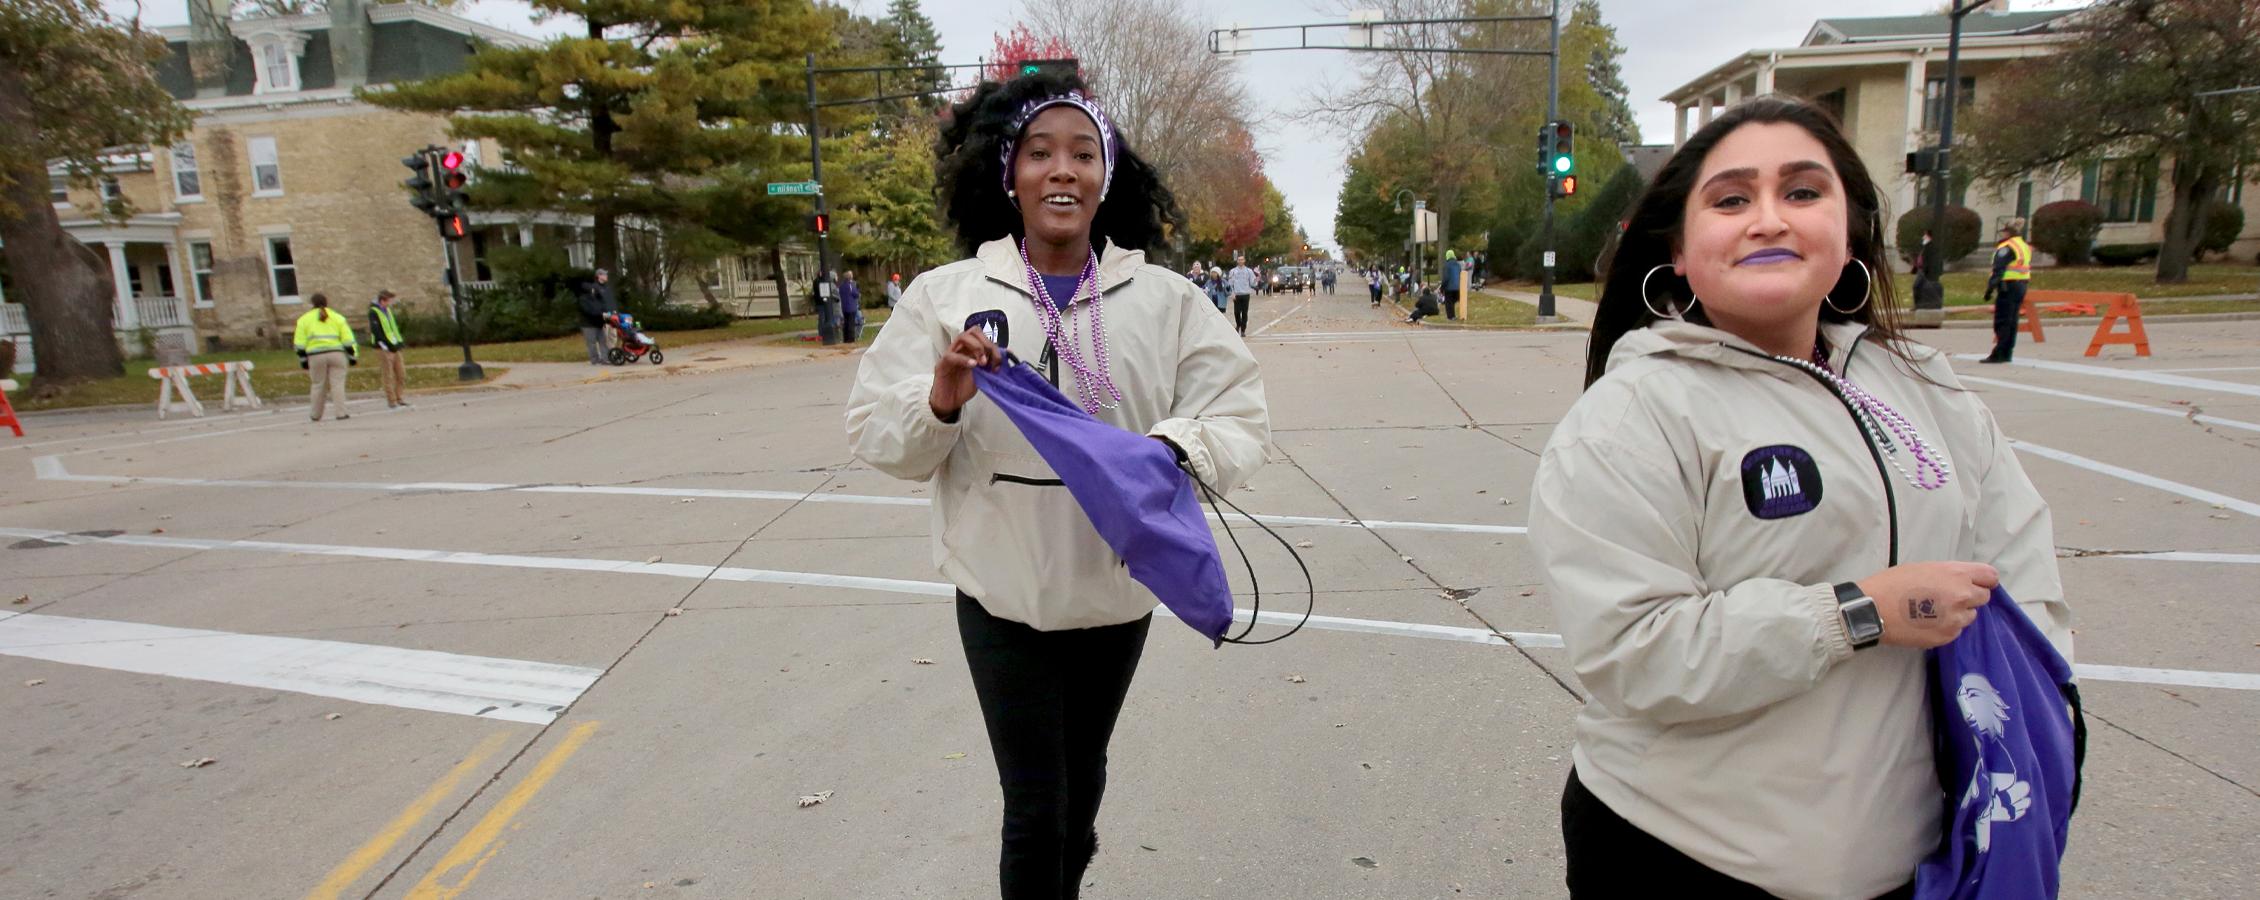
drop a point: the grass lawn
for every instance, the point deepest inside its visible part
(275, 372)
(1581, 290)
(1489, 312)
(2165, 307)
(1968, 288)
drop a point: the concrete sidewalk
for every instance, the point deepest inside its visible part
(1568, 308)
(686, 360)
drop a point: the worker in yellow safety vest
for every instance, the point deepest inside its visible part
(325, 348)
(384, 331)
(2012, 273)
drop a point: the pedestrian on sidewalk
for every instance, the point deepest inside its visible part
(2012, 273)
(851, 308)
(1243, 282)
(1218, 292)
(325, 350)
(1373, 285)
(1746, 313)
(384, 331)
(1050, 205)
(1452, 273)
(894, 289)
(596, 299)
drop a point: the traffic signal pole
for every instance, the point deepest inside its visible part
(1546, 312)
(442, 198)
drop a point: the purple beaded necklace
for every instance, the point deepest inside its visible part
(1093, 380)
(1882, 424)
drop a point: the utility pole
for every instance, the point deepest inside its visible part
(1553, 112)
(1930, 293)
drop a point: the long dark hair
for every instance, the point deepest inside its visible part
(969, 173)
(1657, 222)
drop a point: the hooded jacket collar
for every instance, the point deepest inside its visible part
(1000, 261)
(1688, 340)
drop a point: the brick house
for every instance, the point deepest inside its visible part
(286, 185)
(1884, 79)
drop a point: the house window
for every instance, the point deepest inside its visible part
(714, 277)
(1932, 91)
(59, 190)
(1832, 101)
(187, 183)
(200, 268)
(480, 271)
(282, 270)
(281, 69)
(266, 168)
(164, 280)
(2125, 189)
(133, 280)
(109, 190)
(2024, 200)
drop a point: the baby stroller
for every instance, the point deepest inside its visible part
(631, 343)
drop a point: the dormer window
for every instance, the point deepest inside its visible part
(276, 50)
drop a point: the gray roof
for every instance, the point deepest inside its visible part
(1895, 28)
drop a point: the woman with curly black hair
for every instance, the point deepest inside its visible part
(1055, 213)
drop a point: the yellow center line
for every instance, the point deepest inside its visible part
(369, 854)
(472, 853)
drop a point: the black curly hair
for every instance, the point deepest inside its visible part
(969, 174)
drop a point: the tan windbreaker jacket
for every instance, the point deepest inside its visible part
(1692, 512)
(1005, 531)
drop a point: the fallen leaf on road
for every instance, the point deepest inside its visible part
(1483, 492)
(1506, 502)
(1528, 591)
(19, 601)
(1296, 679)
(198, 763)
(1460, 594)
(1366, 764)
(1405, 558)
(35, 682)
(921, 661)
(1147, 847)
(675, 611)
(1303, 544)
(1365, 862)
(1340, 724)
(689, 499)
(333, 716)
(648, 885)
(651, 560)
(1412, 498)
(162, 531)
(2213, 516)
(954, 756)
(808, 800)
(164, 517)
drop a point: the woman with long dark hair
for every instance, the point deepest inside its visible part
(1766, 505)
(1055, 213)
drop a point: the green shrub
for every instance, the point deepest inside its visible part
(2125, 254)
(2066, 229)
(1581, 237)
(1956, 240)
(2223, 222)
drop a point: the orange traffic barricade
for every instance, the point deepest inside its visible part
(2115, 308)
(8, 410)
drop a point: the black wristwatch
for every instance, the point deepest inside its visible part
(1861, 621)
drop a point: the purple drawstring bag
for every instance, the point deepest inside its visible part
(2005, 717)
(1130, 487)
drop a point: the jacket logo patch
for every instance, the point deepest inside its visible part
(993, 325)
(1780, 481)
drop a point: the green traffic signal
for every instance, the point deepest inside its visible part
(1562, 164)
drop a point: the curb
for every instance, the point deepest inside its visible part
(2093, 320)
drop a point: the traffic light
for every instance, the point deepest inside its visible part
(1546, 151)
(1560, 161)
(1564, 186)
(452, 179)
(821, 223)
(1054, 67)
(452, 226)
(419, 184)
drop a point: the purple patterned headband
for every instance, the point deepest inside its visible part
(1080, 100)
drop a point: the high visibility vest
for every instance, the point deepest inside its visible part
(2020, 267)
(386, 321)
(317, 336)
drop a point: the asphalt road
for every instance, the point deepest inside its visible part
(598, 640)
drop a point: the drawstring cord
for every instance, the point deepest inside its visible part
(1311, 586)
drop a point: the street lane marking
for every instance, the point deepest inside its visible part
(2224, 501)
(2180, 381)
(509, 690)
(2122, 404)
(2234, 680)
(2214, 369)
(373, 852)
(477, 848)
(51, 468)
(1297, 309)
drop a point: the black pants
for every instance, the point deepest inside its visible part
(2008, 304)
(1240, 312)
(1610, 857)
(1050, 699)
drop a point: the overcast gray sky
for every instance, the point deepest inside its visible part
(1666, 43)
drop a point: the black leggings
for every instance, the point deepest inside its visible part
(1610, 857)
(1240, 312)
(1050, 699)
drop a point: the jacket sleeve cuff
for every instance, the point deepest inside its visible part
(1185, 435)
(1835, 640)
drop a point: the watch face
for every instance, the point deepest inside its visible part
(1862, 622)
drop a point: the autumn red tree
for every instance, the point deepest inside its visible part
(1019, 46)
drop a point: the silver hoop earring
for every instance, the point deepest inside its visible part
(1865, 292)
(1676, 313)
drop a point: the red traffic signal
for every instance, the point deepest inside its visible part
(1569, 185)
(453, 227)
(821, 223)
(452, 161)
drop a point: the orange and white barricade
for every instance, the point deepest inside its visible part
(174, 381)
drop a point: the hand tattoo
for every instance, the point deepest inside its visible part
(1924, 608)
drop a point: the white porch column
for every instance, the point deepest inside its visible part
(1914, 99)
(1706, 115)
(1765, 79)
(1733, 92)
(184, 283)
(1679, 124)
(525, 235)
(129, 318)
